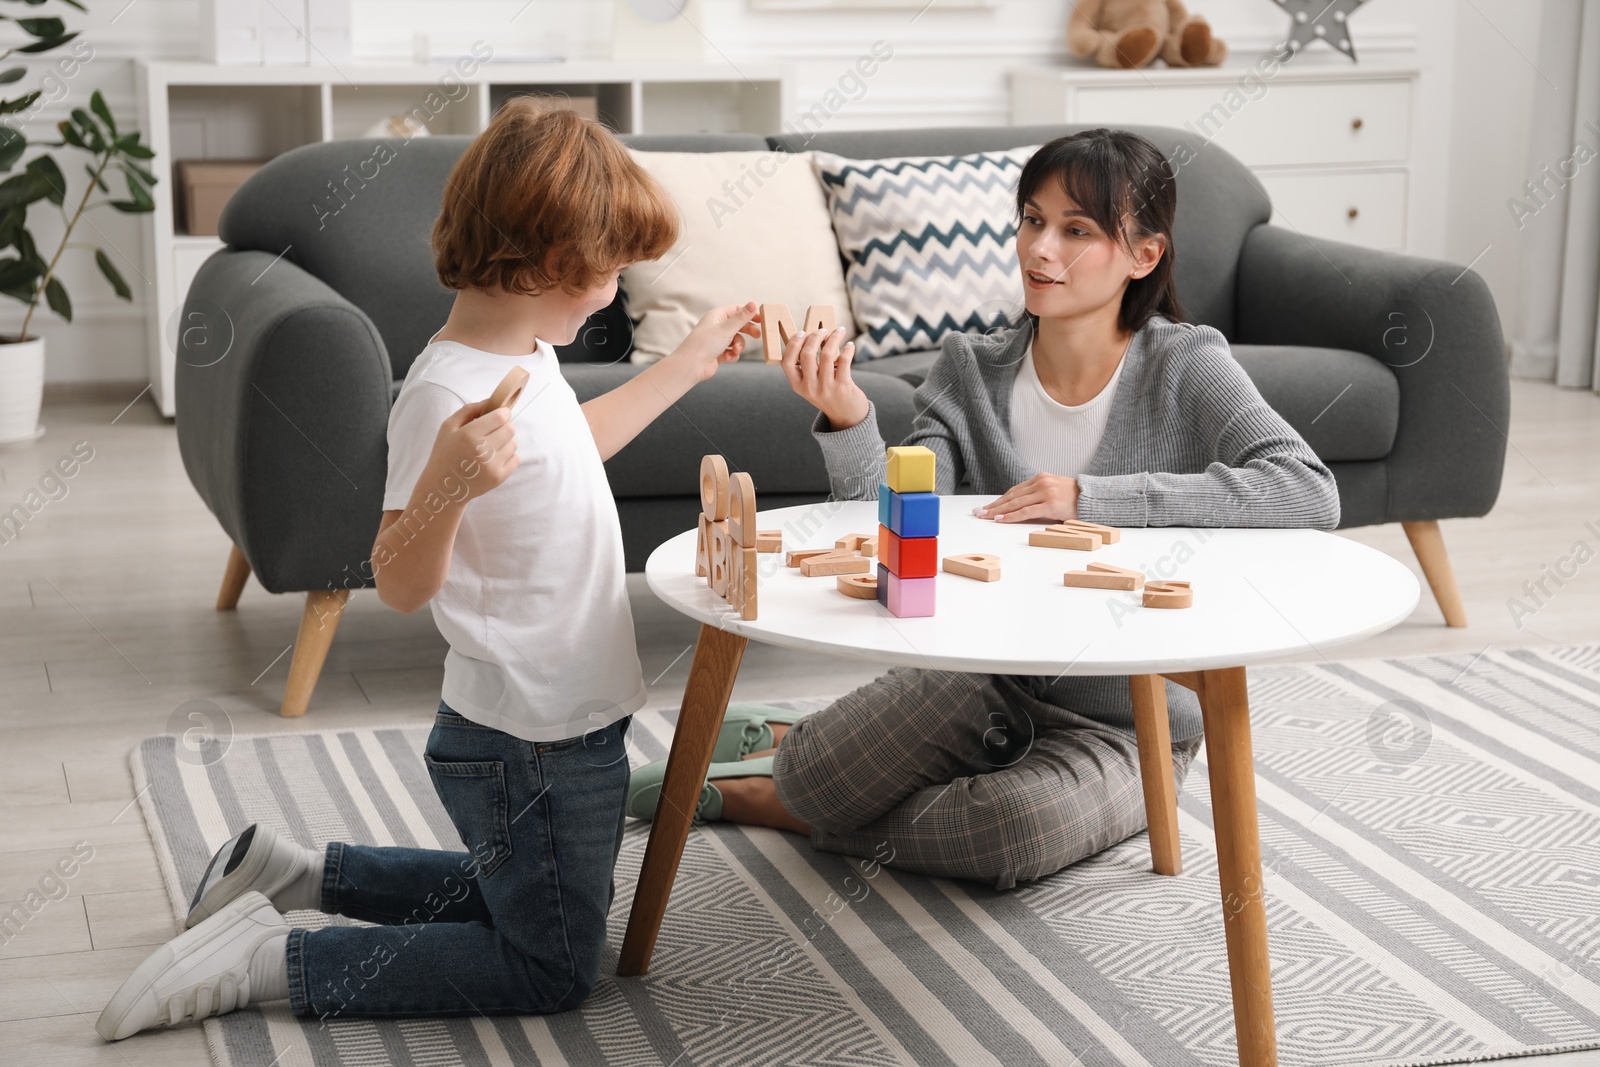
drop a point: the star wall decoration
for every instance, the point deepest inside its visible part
(1319, 20)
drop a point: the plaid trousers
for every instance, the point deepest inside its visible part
(963, 776)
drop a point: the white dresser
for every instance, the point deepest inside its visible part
(1332, 143)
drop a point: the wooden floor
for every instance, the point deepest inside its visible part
(107, 631)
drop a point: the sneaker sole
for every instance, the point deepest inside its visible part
(127, 997)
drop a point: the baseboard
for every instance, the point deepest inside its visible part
(96, 392)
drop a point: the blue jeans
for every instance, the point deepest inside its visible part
(515, 925)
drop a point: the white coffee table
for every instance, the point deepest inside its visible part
(1258, 594)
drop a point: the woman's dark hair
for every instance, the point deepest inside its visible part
(1111, 174)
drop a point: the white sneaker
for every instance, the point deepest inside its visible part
(257, 859)
(199, 973)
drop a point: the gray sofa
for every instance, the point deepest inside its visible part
(1391, 366)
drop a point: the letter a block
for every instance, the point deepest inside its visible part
(911, 469)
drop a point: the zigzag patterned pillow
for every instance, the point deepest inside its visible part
(930, 243)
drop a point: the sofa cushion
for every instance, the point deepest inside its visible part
(929, 242)
(1219, 200)
(910, 367)
(1345, 404)
(754, 227)
(748, 413)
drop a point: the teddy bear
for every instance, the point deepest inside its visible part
(1131, 33)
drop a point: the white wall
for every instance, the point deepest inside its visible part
(948, 68)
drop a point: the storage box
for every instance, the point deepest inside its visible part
(204, 186)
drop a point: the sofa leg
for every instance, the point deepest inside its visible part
(317, 625)
(233, 579)
(1428, 543)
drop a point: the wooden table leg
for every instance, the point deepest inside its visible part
(1226, 709)
(1154, 731)
(705, 700)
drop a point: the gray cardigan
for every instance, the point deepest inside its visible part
(1189, 442)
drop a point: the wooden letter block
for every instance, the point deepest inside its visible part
(777, 326)
(505, 394)
(866, 544)
(819, 317)
(702, 549)
(797, 556)
(719, 558)
(1081, 542)
(714, 487)
(911, 469)
(1109, 535)
(980, 565)
(743, 576)
(826, 566)
(742, 510)
(1168, 594)
(860, 586)
(769, 540)
(1105, 576)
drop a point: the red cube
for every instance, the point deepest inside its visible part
(908, 557)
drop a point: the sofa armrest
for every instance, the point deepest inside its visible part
(1432, 324)
(283, 404)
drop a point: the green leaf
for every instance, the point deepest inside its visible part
(46, 44)
(20, 103)
(11, 220)
(69, 134)
(129, 145)
(49, 174)
(28, 251)
(22, 188)
(56, 294)
(15, 274)
(13, 75)
(99, 181)
(12, 145)
(49, 27)
(104, 263)
(141, 200)
(144, 175)
(97, 104)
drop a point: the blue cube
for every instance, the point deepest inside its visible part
(883, 585)
(885, 496)
(914, 514)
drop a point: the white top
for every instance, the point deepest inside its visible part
(1051, 436)
(534, 606)
(1259, 594)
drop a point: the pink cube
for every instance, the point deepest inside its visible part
(907, 598)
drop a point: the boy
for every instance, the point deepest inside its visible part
(504, 523)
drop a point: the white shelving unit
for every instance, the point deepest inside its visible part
(202, 111)
(1333, 143)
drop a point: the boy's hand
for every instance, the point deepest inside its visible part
(1044, 496)
(478, 449)
(818, 367)
(718, 338)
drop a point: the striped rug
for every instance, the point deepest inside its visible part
(1432, 850)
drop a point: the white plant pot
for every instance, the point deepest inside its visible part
(21, 389)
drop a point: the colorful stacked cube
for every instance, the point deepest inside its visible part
(908, 533)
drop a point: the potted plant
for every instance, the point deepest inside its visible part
(26, 274)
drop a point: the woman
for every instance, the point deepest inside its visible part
(1101, 404)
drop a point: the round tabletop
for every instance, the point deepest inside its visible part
(1258, 595)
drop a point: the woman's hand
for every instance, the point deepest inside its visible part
(1044, 496)
(718, 338)
(818, 367)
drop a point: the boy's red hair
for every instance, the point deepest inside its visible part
(545, 199)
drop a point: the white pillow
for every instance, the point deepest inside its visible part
(931, 243)
(755, 227)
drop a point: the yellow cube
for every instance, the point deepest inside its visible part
(911, 469)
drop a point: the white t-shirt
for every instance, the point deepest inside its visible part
(1053, 437)
(534, 605)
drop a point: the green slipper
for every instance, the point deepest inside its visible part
(745, 730)
(644, 787)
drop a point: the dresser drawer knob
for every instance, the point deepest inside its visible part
(1355, 123)
(1353, 212)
